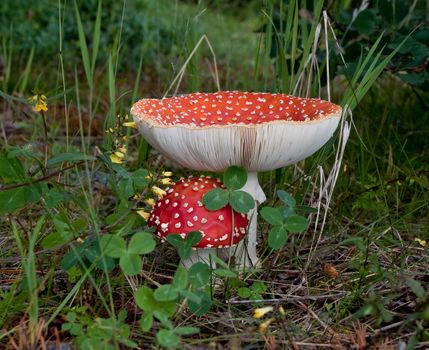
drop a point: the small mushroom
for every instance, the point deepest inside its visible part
(258, 131)
(181, 211)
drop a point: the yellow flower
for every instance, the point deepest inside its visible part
(130, 125)
(167, 173)
(149, 177)
(158, 191)
(39, 102)
(260, 312)
(166, 181)
(264, 325)
(422, 242)
(143, 214)
(115, 159)
(123, 150)
(150, 202)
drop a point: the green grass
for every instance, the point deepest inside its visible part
(362, 280)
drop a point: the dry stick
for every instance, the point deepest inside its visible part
(285, 299)
(44, 178)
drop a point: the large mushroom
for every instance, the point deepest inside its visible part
(181, 211)
(259, 131)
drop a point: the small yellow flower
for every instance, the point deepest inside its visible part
(115, 159)
(150, 202)
(260, 312)
(422, 242)
(39, 102)
(166, 181)
(158, 191)
(119, 154)
(264, 325)
(143, 214)
(167, 173)
(149, 177)
(130, 125)
(123, 150)
(282, 311)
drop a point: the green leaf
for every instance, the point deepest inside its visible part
(125, 186)
(190, 295)
(201, 308)
(12, 199)
(166, 292)
(244, 292)
(234, 178)
(180, 279)
(146, 321)
(167, 338)
(53, 197)
(416, 288)
(296, 223)
(365, 23)
(259, 287)
(215, 199)
(199, 274)
(160, 315)
(141, 243)
(83, 46)
(286, 198)
(193, 238)
(11, 169)
(144, 299)
(277, 237)
(272, 215)
(69, 157)
(225, 273)
(131, 264)
(305, 209)
(62, 235)
(186, 330)
(175, 240)
(113, 245)
(286, 212)
(139, 178)
(241, 201)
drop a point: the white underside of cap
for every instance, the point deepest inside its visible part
(259, 148)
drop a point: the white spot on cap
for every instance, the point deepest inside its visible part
(178, 225)
(176, 215)
(203, 220)
(195, 218)
(221, 218)
(224, 237)
(190, 224)
(190, 210)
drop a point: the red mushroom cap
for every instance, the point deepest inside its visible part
(181, 211)
(232, 107)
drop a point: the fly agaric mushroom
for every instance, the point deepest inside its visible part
(181, 211)
(258, 131)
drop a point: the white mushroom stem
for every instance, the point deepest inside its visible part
(246, 254)
(200, 255)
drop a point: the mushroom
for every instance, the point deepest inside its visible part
(258, 131)
(181, 211)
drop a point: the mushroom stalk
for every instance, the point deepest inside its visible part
(200, 255)
(246, 254)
